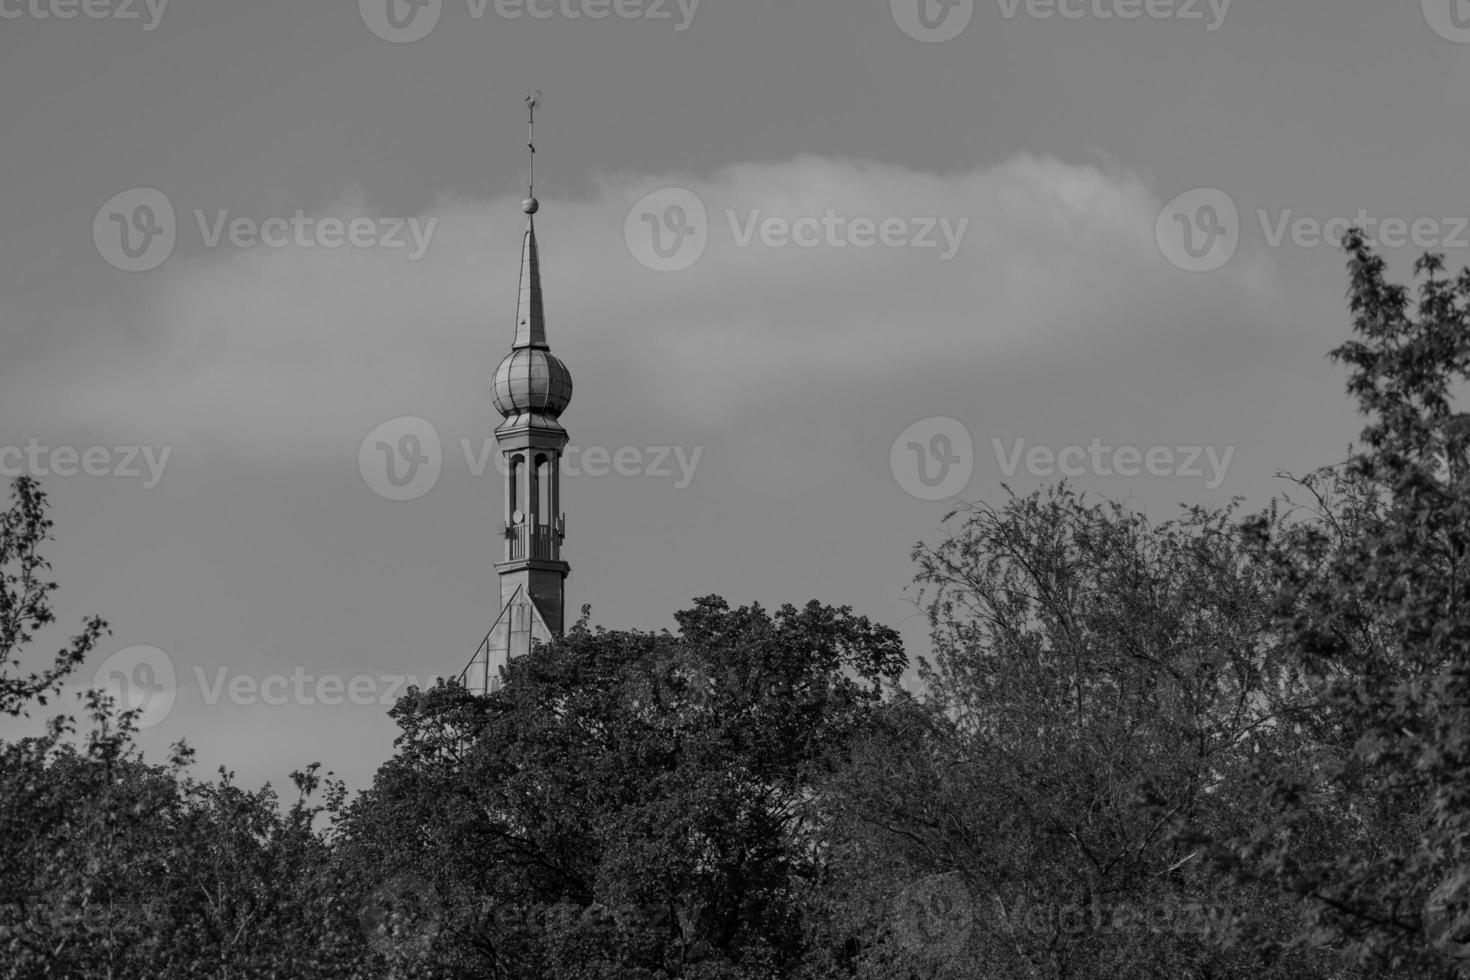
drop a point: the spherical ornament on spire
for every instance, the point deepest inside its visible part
(530, 205)
(532, 380)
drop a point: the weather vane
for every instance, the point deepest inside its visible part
(533, 102)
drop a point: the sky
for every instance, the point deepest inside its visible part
(821, 270)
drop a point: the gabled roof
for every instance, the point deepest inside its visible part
(509, 636)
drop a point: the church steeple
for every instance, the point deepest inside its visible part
(532, 387)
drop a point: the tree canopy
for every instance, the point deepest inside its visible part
(1224, 745)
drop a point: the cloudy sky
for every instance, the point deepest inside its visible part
(819, 268)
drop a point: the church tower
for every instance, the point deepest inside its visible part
(532, 388)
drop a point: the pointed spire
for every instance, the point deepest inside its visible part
(530, 314)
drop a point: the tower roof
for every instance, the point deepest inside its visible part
(530, 313)
(531, 384)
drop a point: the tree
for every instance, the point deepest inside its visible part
(114, 867)
(629, 804)
(1368, 591)
(1095, 679)
(25, 604)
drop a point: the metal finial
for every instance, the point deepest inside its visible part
(533, 102)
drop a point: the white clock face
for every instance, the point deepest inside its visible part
(517, 516)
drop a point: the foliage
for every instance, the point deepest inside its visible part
(1096, 680)
(1368, 593)
(629, 804)
(112, 867)
(1216, 747)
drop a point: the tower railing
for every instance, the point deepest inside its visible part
(534, 541)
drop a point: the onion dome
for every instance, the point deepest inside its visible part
(532, 380)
